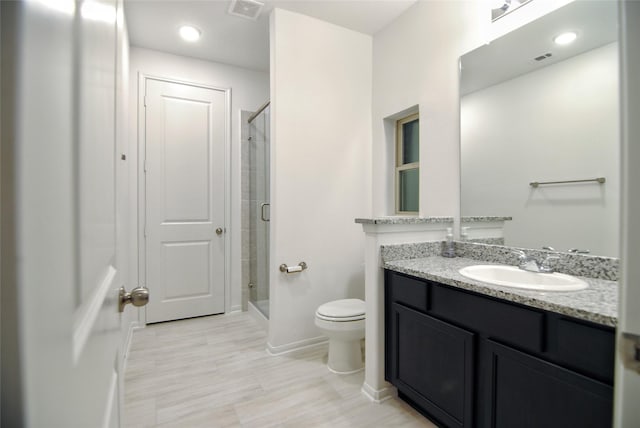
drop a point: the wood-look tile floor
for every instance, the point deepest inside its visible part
(214, 372)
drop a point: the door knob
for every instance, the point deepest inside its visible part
(218, 231)
(139, 296)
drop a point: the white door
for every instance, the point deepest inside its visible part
(185, 128)
(60, 275)
(627, 381)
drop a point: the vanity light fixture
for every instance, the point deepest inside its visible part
(189, 33)
(499, 4)
(500, 8)
(565, 38)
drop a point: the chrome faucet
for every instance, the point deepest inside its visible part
(530, 264)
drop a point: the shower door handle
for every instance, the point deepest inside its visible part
(263, 215)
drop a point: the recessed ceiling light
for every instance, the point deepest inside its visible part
(565, 38)
(189, 33)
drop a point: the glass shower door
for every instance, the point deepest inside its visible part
(260, 211)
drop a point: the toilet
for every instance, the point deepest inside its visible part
(343, 322)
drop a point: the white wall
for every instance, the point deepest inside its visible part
(557, 123)
(249, 90)
(320, 168)
(415, 62)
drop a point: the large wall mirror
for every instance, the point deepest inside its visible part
(534, 111)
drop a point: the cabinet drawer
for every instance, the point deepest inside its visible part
(505, 322)
(408, 291)
(587, 348)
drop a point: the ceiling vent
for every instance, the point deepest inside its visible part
(249, 9)
(543, 57)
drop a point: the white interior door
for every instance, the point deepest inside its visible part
(185, 128)
(61, 269)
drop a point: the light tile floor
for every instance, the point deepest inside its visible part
(215, 372)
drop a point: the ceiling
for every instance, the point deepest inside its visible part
(229, 39)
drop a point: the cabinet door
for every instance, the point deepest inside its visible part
(433, 365)
(529, 392)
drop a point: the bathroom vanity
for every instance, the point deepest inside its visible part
(467, 354)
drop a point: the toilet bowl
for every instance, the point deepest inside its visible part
(342, 321)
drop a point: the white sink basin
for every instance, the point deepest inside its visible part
(512, 276)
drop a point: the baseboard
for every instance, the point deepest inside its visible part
(296, 346)
(127, 343)
(378, 395)
(235, 308)
(258, 316)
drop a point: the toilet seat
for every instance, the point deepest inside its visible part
(342, 310)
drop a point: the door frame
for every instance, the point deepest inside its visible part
(627, 381)
(141, 179)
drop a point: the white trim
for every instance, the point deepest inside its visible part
(627, 381)
(258, 316)
(296, 346)
(229, 232)
(419, 232)
(107, 419)
(126, 348)
(141, 144)
(87, 314)
(378, 395)
(376, 235)
(141, 195)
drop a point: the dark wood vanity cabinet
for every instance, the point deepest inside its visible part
(433, 365)
(469, 360)
(528, 391)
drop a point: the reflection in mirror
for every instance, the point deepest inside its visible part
(500, 8)
(536, 111)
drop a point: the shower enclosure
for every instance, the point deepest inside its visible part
(259, 209)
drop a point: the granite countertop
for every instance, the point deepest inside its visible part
(480, 219)
(404, 220)
(598, 303)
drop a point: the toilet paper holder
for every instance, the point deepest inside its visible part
(293, 269)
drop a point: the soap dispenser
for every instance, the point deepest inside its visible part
(448, 249)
